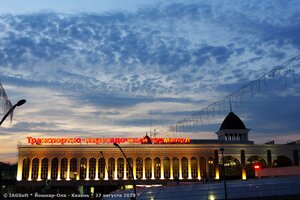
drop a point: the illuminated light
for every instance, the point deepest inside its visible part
(92, 190)
(211, 197)
(217, 174)
(256, 166)
(128, 187)
(244, 175)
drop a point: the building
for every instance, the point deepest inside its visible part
(67, 161)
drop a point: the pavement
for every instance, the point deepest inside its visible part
(260, 188)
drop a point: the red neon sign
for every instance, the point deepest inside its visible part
(32, 140)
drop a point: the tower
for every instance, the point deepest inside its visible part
(233, 129)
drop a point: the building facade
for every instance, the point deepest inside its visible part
(197, 160)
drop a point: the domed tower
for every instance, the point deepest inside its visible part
(233, 129)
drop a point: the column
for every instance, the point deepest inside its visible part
(58, 170)
(20, 169)
(152, 168)
(30, 170)
(207, 168)
(134, 167)
(78, 169)
(180, 168)
(243, 162)
(106, 172)
(189, 169)
(87, 177)
(125, 169)
(68, 170)
(144, 169)
(198, 169)
(269, 157)
(216, 162)
(39, 170)
(171, 169)
(116, 170)
(162, 176)
(49, 169)
(97, 169)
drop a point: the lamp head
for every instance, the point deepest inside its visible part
(116, 144)
(222, 149)
(21, 102)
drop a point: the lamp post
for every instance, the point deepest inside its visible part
(224, 177)
(21, 102)
(130, 168)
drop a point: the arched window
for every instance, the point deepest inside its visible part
(54, 168)
(111, 168)
(35, 168)
(128, 172)
(157, 167)
(148, 168)
(184, 161)
(92, 168)
(120, 167)
(202, 161)
(44, 170)
(25, 168)
(167, 167)
(101, 168)
(194, 167)
(176, 168)
(83, 166)
(73, 168)
(139, 168)
(63, 169)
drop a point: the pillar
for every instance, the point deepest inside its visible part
(20, 169)
(269, 157)
(243, 161)
(180, 168)
(97, 169)
(39, 170)
(116, 169)
(30, 170)
(198, 169)
(68, 170)
(78, 169)
(87, 177)
(125, 169)
(171, 169)
(207, 168)
(58, 169)
(144, 170)
(152, 167)
(134, 167)
(49, 169)
(216, 162)
(106, 172)
(189, 168)
(162, 175)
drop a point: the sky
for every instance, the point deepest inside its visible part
(111, 68)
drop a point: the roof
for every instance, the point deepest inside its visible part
(232, 121)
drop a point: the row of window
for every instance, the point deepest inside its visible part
(80, 169)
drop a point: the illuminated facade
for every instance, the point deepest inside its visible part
(192, 160)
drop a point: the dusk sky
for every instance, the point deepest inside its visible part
(102, 68)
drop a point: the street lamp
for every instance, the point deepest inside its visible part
(224, 177)
(130, 168)
(21, 102)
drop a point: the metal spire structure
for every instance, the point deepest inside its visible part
(285, 70)
(5, 103)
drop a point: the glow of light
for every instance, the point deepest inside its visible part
(211, 197)
(244, 176)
